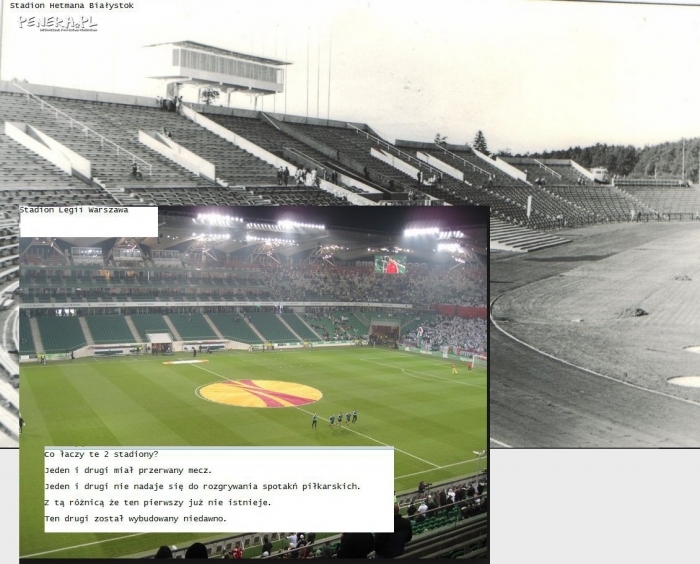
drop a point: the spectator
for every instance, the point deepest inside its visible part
(197, 551)
(164, 552)
(391, 545)
(267, 545)
(355, 545)
(136, 172)
(280, 176)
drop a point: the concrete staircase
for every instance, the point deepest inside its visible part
(508, 237)
(36, 335)
(309, 326)
(289, 327)
(362, 317)
(86, 331)
(255, 330)
(213, 327)
(171, 326)
(132, 328)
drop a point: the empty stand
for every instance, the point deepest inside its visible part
(149, 323)
(60, 334)
(26, 340)
(233, 327)
(192, 326)
(271, 327)
(299, 327)
(108, 329)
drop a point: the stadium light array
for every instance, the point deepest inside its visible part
(287, 223)
(421, 231)
(450, 247)
(450, 235)
(270, 240)
(216, 220)
(210, 237)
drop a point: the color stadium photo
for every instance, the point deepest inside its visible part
(265, 326)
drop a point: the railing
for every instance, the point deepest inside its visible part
(547, 169)
(85, 129)
(391, 147)
(464, 161)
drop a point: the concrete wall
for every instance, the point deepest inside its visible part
(236, 139)
(48, 148)
(444, 167)
(177, 153)
(76, 94)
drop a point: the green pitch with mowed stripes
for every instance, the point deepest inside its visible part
(433, 418)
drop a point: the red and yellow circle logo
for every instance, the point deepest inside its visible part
(260, 393)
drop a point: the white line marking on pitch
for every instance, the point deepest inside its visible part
(424, 374)
(499, 443)
(438, 468)
(371, 439)
(636, 386)
(80, 545)
(324, 419)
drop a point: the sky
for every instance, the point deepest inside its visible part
(533, 75)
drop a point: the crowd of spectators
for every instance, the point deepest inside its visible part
(456, 332)
(462, 287)
(469, 498)
(360, 284)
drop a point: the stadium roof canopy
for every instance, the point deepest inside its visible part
(349, 233)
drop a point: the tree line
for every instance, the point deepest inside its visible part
(664, 160)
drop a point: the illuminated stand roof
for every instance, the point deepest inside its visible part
(188, 62)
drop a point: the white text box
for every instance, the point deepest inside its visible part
(88, 221)
(237, 489)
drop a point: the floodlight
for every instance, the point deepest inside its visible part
(449, 247)
(421, 231)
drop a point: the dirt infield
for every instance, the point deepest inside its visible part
(622, 300)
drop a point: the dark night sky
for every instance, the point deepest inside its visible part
(389, 220)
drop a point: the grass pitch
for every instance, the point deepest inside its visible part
(433, 418)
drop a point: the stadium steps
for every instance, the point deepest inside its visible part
(36, 335)
(509, 237)
(192, 326)
(255, 330)
(132, 328)
(86, 330)
(232, 327)
(309, 327)
(288, 326)
(213, 327)
(171, 326)
(362, 317)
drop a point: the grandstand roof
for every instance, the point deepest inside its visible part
(362, 225)
(225, 52)
(355, 232)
